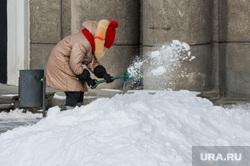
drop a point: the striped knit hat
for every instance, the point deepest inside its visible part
(104, 36)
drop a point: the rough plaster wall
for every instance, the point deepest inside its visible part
(232, 48)
(189, 21)
(218, 32)
(49, 22)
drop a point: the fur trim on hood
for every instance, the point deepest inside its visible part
(90, 26)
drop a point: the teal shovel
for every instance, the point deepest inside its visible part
(126, 77)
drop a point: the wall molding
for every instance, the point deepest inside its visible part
(18, 39)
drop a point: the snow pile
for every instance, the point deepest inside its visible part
(165, 63)
(145, 128)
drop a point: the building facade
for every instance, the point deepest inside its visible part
(217, 31)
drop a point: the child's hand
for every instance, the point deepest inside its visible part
(108, 78)
(91, 82)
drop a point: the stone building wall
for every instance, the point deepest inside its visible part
(50, 21)
(231, 47)
(186, 21)
(217, 31)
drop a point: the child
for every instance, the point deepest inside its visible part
(64, 69)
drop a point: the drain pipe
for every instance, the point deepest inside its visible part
(44, 95)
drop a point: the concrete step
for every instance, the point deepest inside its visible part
(6, 103)
(213, 94)
(215, 98)
(11, 101)
(226, 101)
(6, 107)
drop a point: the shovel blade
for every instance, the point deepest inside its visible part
(127, 76)
(126, 87)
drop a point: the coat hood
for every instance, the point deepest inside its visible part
(91, 26)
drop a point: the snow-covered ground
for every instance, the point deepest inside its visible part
(16, 118)
(19, 114)
(143, 128)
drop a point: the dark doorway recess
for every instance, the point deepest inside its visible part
(3, 41)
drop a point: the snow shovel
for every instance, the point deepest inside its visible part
(126, 78)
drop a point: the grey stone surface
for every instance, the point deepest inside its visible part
(116, 61)
(126, 12)
(217, 30)
(199, 72)
(66, 18)
(188, 21)
(39, 54)
(230, 34)
(215, 54)
(215, 20)
(233, 17)
(238, 20)
(45, 21)
(238, 70)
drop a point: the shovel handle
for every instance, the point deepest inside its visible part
(102, 81)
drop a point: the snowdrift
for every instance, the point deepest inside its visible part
(146, 128)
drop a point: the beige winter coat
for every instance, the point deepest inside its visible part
(67, 59)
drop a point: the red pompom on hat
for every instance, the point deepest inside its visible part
(110, 34)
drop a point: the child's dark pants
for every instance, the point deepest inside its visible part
(73, 98)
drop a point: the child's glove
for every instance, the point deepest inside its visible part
(101, 72)
(84, 76)
(91, 82)
(108, 78)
